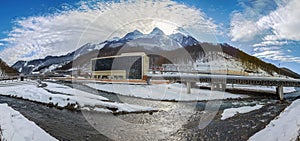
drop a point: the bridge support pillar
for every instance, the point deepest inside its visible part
(223, 87)
(148, 80)
(217, 86)
(188, 86)
(279, 92)
(214, 86)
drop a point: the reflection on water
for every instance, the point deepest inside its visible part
(173, 121)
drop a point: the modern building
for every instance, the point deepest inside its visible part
(125, 66)
(178, 67)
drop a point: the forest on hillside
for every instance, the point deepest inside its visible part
(7, 70)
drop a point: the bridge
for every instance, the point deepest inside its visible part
(218, 82)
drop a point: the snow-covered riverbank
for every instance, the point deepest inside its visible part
(285, 127)
(255, 88)
(63, 96)
(262, 88)
(15, 127)
(175, 91)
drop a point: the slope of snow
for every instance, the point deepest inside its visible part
(53, 67)
(65, 96)
(87, 99)
(283, 128)
(15, 127)
(163, 92)
(32, 92)
(219, 65)
(68, 90)
(227, 113)
(222, 61)
(184, 40)
(262, 88)
(253, 87)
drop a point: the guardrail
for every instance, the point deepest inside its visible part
(9, 77)
(3, 78)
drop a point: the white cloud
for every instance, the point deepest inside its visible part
(267, 54)
(261, 49)
(63, 32)
(278, 27)
(244, 26)
(242, 29)
(270, 43)
(1, 44)
(283, 24)
(275, 53)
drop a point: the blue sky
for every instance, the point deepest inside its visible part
(12, 10)
(267, 29)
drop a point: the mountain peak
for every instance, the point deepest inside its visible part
(137, 32)
(133, 35)
(157, 31)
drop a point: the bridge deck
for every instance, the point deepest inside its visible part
(218, 81)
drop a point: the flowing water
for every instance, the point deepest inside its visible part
(174, 120)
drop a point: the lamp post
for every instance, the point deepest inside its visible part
(279, 69)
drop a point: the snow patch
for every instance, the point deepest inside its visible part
(15, 127)
(261, 88)
(65, 96)
(32, 92)
(285, 127)
(253, 87)
(228, 113)
(174, 91)
(74, 92)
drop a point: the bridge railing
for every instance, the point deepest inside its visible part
(230, 79)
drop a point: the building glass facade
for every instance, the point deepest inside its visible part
(131, 64)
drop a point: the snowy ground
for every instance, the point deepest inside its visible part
(253, 87)
(64, 96)
(15, 127)
(174, 91)
(227, 113)
(262, 88)
(285, 127)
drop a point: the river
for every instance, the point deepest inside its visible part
(174, 120)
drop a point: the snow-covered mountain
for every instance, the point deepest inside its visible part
(50, 63)
(27, 67)
(132, 35)
(184, 40)
(157, 42)
(154, 40)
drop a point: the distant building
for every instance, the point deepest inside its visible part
(178, 67)
(125, 66)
